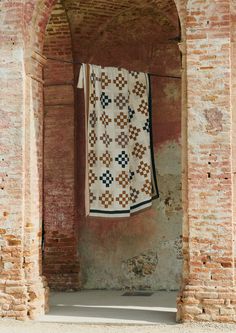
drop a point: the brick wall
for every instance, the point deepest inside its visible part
(209, 285)
(12, 288)
(21, 288)
(208, 291)
(60, 228)
(233, 101)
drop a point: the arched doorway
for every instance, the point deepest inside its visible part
(167, 144)
(209, 215)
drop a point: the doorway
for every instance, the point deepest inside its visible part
(143, 252)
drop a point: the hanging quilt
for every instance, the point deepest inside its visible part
(120, 164)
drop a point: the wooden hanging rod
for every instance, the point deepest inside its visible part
(80, 63)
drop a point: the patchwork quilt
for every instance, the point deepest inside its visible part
(120, 164)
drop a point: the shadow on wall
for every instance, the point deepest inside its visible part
(144, 251)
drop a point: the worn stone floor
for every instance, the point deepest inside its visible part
(110, 307)
(110, 312)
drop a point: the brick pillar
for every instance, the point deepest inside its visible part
(208, 286)
(20, 283)
(33, 172)
(13, 289)
(22, 292)
(61, 265)
(233, 102)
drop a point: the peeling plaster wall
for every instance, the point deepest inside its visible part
(144, 251)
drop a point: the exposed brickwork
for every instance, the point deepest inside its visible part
(208, 243)
(60, 228)
(208, 291)
(208, 304)
(233, 101)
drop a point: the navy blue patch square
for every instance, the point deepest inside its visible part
(105, 100)
(122, 159)
(106, 178)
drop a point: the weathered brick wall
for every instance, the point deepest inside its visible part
(60, 228)
(208, 286)
(233, 101)
(13, 292)
(33, 171)
(22, 289)
(209, 292)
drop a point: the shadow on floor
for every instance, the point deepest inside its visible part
(111, 307)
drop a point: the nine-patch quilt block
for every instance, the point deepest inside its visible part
(119, 155)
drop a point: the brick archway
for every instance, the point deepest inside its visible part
(34, 67)
(208, 291)
(41, 12)
(35, 62)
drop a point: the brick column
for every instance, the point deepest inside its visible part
(33, 175)
(13, 291)
(15, 266)
(61, 263)
(21, 285)
(208, 286)
(233, 102)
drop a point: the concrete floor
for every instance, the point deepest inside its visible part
(110, 307)
(109, 312)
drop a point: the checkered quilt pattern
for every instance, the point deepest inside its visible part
(119, 164)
